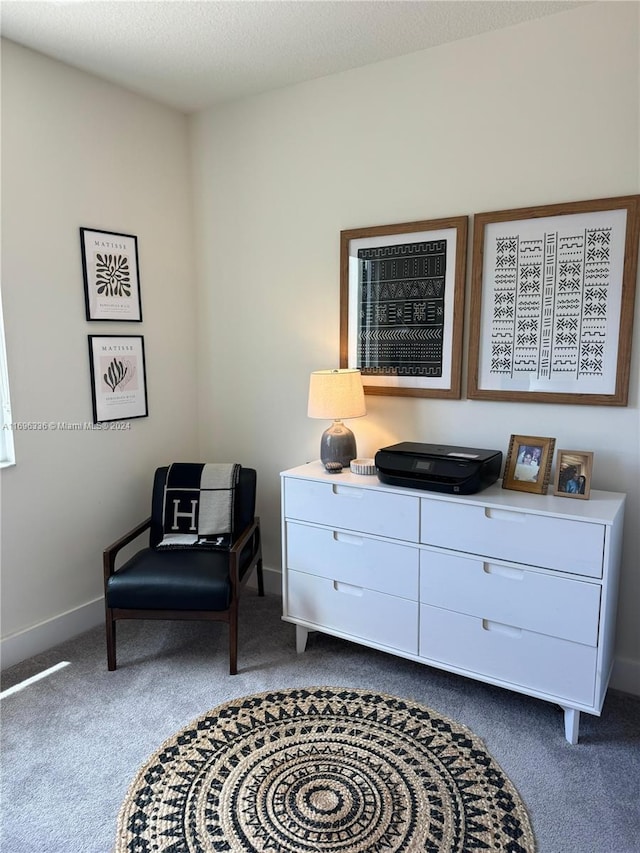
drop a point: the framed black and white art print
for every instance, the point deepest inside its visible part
(111, 276)
(402, 304)
(552, 299)
(118, 377)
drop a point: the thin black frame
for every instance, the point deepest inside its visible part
(139, 397)
(118, 312)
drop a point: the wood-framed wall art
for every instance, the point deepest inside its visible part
(118, 377)
(528, 464)
(552, 298)
(573, 474)
(402, 306)
(111, 276)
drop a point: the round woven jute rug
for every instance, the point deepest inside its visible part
(322, 770)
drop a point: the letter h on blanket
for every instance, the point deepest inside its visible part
(198, 505)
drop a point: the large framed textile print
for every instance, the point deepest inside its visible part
(552, 298)
(402, 306)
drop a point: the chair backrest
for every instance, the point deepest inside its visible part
(244, 503)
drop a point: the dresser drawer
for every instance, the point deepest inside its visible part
(353, 508)
(548, 604)
(383, 620)
(354, 559)
(523, 658)
(571, 546)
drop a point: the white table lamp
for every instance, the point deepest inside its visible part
(336, 395)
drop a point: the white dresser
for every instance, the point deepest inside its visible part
(511, 588)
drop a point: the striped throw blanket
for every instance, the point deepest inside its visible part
(198, 505)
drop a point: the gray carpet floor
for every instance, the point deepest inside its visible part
(72, 742)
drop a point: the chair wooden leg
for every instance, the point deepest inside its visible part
(260, 577)
(233, 639)
(111, 641)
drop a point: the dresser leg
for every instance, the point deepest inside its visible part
(571, 725)
(301, 639)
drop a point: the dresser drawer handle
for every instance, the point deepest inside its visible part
(504, 515)
(499, 628)
(348, 589)
(348, 538)
(347, 491)
(503, 571)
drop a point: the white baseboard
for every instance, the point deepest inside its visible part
(626, 676)
(272, 581)
(32, 641)
(40, 638)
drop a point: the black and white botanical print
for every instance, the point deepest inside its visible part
(119, 373)
(118, 377)
(113, 275)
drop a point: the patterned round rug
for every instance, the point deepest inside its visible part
(319, 769)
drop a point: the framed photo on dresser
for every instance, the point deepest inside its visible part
(573, 474)
(528, 464)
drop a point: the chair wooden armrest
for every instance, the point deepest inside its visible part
(110, 552)
(246, 534)
(251, 531)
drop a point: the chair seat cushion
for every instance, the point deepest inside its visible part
(171, 580)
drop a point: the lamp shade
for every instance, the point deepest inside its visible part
(336, 394)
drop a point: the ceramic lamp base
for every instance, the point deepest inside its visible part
(338, 444)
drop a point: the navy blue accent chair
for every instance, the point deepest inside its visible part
(182, 583)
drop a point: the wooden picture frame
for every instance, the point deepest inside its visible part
(118, 377)
(402, 306)
(528, 464)
(573, 474)
(552, 296)
(111, 276)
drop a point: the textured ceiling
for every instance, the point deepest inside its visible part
(191, 54)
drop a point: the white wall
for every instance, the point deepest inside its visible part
(543, 112)
(79, 152)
